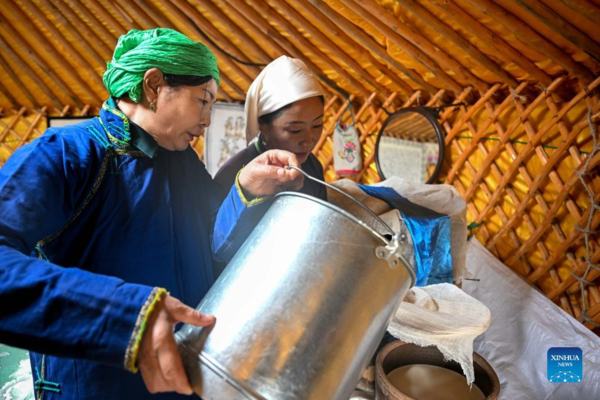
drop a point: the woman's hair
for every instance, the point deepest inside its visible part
(185, 80)
(267, 119)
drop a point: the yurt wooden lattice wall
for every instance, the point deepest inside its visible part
(522, 144)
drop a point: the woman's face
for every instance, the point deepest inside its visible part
(298, 129)
(181, 114)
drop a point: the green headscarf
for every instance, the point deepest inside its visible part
(168, 50)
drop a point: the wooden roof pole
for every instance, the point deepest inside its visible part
(527, 35)
(223, 42)
(17, 81)
(462, 43)
(16, 37)
(163, 21)
(271, 35)
(62, 42)
(13, 102)
(272, 15)
(38, 12)
(41, 40)
(561, 26)
(107, 36)
(380, 19)
(335, 31)
(26, 69)
(117, 9)
(78, 28)
(421, 42)
(506, 52)
(584, 7)
(248, 42)
(341, 35)
(156, 19)
(365, 40)
(330, 45)
(138, 14)
(96, 9)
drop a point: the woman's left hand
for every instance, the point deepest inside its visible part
(266, 175)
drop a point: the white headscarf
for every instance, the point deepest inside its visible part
(282, 82)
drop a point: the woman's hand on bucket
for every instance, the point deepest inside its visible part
(266, 175)
(158, 359)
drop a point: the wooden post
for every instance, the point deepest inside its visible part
(73, 23)
(17, 81)
(98, 10)
(107, 36)
(223, 42)
(238, 32)
(364, 40)
(330, 45)
(404, 38)
(271, 35)
(27, 71)
(334, 31)
(584, 7)
(176, 13)
(527, 35)
(67, 48)
(561, 26)
(35, 36)
(462, 43)
(505, 52)
(307, 46)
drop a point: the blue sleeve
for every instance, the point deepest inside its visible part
(234, 223)
(48, 308)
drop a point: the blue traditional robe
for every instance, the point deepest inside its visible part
(94, 217)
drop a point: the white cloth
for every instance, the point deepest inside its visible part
(443, 316)
(282, 82)
(525, 325)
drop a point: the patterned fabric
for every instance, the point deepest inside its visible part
(109, 226)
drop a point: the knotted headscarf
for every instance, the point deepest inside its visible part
(282, 82)
(168, 50)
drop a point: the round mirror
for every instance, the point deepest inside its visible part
(410, 145)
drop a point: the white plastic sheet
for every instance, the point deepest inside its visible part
(525, 324)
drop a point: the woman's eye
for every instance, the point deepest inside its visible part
(318, 126)
(295, 132)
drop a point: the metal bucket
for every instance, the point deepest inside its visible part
(301, 307)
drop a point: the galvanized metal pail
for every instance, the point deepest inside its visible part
(301, 307)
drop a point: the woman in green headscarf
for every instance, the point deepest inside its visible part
(121, 212)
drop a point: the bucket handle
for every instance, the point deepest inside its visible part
(367, 209)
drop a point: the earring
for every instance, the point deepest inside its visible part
(152, 107)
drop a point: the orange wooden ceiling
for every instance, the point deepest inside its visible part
(54, 51)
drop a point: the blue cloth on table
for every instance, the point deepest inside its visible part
(430, 233)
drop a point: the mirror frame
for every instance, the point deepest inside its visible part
(432, 116)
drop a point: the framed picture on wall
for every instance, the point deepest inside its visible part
(225, 136)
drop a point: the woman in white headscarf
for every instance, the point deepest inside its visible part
(284, 110)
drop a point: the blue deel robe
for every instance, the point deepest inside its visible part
(112, 216)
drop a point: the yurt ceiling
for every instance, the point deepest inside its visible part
(54, 51)
(518, 79)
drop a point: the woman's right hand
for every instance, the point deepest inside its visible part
(266, 175)
(158, 358)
